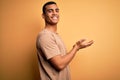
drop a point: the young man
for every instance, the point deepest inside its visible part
(52, 55)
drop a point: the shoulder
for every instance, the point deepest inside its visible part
(45, 35)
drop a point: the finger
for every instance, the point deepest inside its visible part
(89, 43)
(82, 40)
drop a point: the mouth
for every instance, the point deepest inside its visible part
(54, 17)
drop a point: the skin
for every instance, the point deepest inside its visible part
(51, 18)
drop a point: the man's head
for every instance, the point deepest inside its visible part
(51, 13)
(48, 3)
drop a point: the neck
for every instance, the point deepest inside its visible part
(52, 28)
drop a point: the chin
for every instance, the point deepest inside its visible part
(54, 23)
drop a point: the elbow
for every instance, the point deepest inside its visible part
(57, 63)
(59, 67)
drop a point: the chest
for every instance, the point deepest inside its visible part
(59, 42)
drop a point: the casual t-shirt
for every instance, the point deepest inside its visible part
(49, 44)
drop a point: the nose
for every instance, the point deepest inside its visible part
(54, 12)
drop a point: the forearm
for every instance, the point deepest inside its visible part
(79, 45)
(66, 59)
(60, 62)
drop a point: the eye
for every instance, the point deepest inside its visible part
(57, 10)
(49, 11)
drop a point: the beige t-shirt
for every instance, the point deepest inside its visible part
(49, 44)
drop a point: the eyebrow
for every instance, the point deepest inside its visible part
(52, 9)
(57, 9)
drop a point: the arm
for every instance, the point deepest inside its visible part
(60, 62)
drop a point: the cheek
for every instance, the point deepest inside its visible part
(48, 16)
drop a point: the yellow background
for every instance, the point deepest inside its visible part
(20, 22)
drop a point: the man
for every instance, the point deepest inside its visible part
(52, 55)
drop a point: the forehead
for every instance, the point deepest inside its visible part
(51, 6)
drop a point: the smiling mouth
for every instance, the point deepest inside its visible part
(55, 18)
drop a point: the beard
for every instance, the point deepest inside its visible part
(51, 22)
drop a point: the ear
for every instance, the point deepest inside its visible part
(43, 16)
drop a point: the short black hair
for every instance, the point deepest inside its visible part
(47, 3)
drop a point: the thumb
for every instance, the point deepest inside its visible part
(82, 40)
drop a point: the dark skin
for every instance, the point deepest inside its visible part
(51, 18)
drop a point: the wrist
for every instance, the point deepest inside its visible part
(75, 47)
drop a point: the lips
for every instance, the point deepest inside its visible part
(55, 17)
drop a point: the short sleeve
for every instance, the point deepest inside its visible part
(48, 45)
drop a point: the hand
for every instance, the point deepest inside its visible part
(83, 44)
